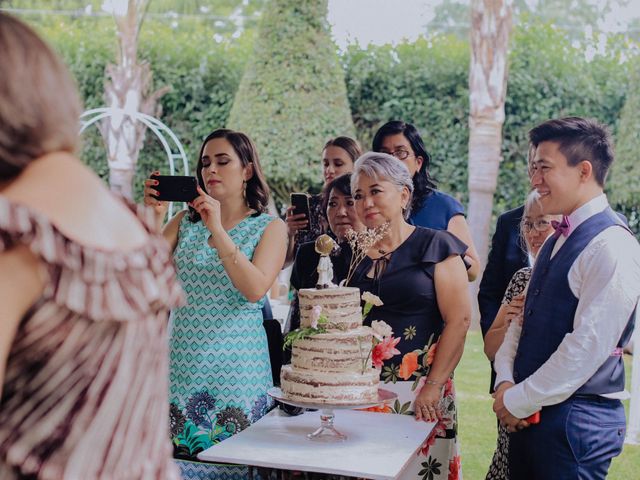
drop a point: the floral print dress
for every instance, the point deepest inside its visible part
(404, 281)
(219, 368)
(499, 468)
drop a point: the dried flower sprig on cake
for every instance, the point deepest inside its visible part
(361, 243)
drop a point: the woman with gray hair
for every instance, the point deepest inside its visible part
(420, 276)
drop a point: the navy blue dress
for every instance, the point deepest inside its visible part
(406, 286)
(436, 211)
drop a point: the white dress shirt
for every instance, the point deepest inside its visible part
(605, 278)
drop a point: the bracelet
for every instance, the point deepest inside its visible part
(233, 254)
(432, 382)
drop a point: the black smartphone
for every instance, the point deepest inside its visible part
(175, 188)
(300, 204)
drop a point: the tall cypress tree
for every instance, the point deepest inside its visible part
(292, 97)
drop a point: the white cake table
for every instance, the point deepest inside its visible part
(379, 446)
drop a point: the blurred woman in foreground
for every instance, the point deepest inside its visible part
(85, 284)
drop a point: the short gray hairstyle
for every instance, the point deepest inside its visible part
(383, 166)
(533, 199)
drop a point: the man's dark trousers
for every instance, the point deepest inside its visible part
(575, 439)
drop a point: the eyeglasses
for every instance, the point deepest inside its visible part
(541, 225)
(400, 154)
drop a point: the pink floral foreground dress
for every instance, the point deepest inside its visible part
(86, 384)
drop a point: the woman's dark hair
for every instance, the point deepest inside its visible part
(348, 144)
(342, 184)
(423, 183)
(257, 190)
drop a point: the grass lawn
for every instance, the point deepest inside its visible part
(477, 422)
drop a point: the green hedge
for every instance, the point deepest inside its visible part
(423, 82)
(292, 97)
(203, 76)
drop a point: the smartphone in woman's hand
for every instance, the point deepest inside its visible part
(300, 203)
(175, 188)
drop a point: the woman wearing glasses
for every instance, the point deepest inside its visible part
(536, 228)
(430, 207)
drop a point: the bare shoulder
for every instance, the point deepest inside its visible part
(277, 225)
(78, 203)
(274, 238)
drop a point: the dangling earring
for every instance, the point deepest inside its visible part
(244, 192)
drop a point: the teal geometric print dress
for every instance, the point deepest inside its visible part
(219, 367)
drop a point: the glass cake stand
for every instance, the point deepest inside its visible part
(327, 431)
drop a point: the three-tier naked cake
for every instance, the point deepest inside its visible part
(332, 367)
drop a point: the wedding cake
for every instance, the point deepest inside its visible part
(333, 367)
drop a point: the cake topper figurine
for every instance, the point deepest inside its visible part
(324, 246)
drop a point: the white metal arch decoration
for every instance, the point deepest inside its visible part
(172, 146)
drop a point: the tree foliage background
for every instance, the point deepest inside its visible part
(425, 82)
(292, 97)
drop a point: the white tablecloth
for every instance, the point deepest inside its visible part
(378, 446)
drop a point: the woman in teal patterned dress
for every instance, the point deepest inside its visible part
(228, 253)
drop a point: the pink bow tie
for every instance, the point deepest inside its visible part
(562, 228)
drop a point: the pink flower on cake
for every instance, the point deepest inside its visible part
(384, 350)
(315, 316)
(381, 329)
(408, 366)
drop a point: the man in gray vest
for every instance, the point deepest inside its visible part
(564, 360)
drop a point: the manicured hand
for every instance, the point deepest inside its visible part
(295, 221)
(149, 191)
(209, 210)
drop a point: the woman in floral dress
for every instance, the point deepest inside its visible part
(420, 276)
(228, 253)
